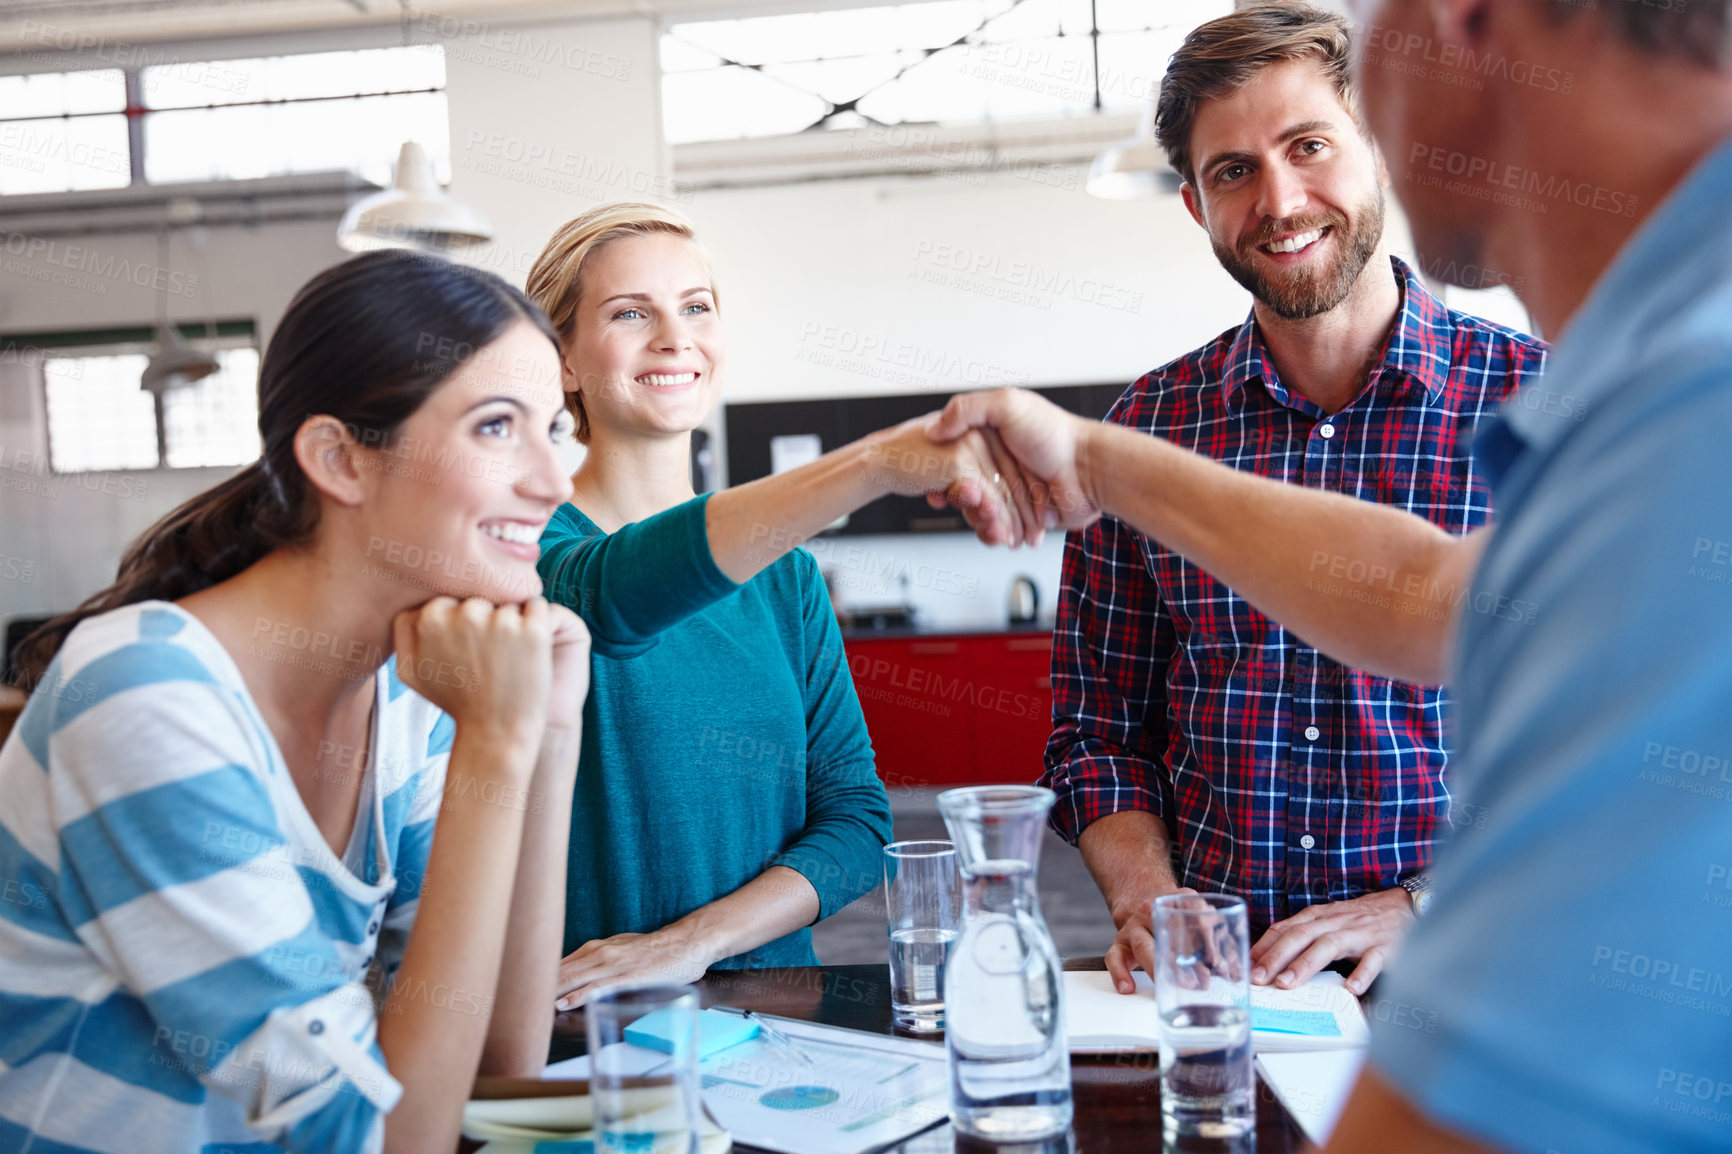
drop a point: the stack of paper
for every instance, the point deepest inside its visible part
(1320, 1015)
(1310, 1042)
(839, 1092)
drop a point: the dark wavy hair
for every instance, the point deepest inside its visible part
(367, 342)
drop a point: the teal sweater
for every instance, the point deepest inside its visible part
(722, 735)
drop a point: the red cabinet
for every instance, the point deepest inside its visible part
(955, 709)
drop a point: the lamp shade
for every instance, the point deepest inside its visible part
(1130, 169)
(413, 213)
(175, 363)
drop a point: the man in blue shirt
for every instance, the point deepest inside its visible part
(1572, 983)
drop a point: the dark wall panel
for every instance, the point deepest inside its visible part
(837, 422)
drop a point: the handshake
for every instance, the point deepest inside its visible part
(1013, 463)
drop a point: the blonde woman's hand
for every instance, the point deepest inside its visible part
(665, 955)
(972, 470)
(490, 667)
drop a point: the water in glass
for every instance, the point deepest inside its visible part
(1004, 993)
(1207, 1085)
(917, 963)
(1203, 991)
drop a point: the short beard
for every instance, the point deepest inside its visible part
(1296, 296)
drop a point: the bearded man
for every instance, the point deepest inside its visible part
(1197, 744)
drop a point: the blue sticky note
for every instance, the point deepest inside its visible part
(716, 1031)
(1310, 1023)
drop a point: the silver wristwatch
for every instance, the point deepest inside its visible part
(1418, 887)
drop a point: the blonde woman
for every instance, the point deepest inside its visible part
(726, 798)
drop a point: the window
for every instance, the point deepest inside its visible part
(238, 119)
(225, 120)
(99, 418)
(61, 131)
(949, 61)
(216, 421)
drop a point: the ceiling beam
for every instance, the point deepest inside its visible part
(53, 35)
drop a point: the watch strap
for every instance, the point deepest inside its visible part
(1418, 887)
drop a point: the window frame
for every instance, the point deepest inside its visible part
(120, 341)
(137, 111)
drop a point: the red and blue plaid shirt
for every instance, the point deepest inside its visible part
(1281, 775)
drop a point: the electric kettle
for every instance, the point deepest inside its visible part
(1024, 601)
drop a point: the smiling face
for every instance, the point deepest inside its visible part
(646, 348)
(1287, 188)
(461, 495)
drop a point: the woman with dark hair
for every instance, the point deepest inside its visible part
(219, 803)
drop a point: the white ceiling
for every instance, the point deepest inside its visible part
(36, 26)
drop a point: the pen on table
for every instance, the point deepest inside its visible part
(772, 1035)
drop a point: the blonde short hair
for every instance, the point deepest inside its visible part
(556, 279)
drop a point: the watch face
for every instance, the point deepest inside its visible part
(1422, 902)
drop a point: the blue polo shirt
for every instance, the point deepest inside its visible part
(1572, 990)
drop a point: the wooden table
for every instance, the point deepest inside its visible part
(1117, 1099)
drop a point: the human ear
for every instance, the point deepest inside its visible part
(330, 457)
(1192, 205)
(1460, 21)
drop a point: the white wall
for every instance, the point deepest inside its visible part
(541, 135)
(900, 284)
(908, 284)
(61, 536)
(951, 579)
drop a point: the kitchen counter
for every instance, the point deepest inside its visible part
(927, 631)
(955, 706)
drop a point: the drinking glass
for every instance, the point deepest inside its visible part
(1203, 991)
(923, 898)
(655, 1111)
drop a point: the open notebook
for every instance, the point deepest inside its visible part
(1320, 1015)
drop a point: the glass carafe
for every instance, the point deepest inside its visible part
(1004, 991)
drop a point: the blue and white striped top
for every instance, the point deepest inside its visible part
(184, 962)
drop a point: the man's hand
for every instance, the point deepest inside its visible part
(1369, 928)
(1134, 948)
(1049, 444)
